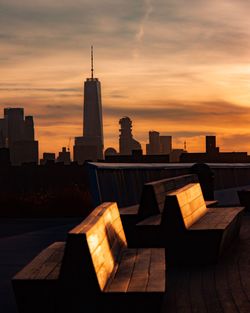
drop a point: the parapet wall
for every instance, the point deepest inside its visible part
(123, 182)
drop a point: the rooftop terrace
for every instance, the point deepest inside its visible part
(221, 288)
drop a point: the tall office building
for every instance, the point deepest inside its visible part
(165, 144)
(15, 124)
(29, 133)
(126, 141)
(17, 134)
(90, 145)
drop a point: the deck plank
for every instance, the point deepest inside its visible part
(195, 291)
(183, 304)
(238, 294)
(212, 302)
(223, 289)
(169, 301)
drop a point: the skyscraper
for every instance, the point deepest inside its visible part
(15, 124)
(92, 139)
(17, 134)
(166, 144)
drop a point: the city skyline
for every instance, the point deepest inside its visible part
(180, 69)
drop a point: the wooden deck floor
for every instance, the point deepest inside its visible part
(224, 287)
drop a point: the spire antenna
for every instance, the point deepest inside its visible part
(92, 63)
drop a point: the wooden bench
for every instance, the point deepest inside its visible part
(94, 271)
(36, 286)
(152, 203)
(153, 196)
(195, 233)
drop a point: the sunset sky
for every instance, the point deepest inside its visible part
(181, 67)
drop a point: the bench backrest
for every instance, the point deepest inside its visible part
(154, 193)
(185, 206)
(93, 248)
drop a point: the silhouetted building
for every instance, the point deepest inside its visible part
(211, 145)
(154, 146)
(221, 157)
(92, 121)
(48, 157)
(24, 151)
(137, 157)
(158, 144)
(166, 144)
(29, 133)
(83, 152)
(15, 125)
(126, 141)
(110, 151)
(17, 134)
(213, 155)
(175, 155)
(64, 156)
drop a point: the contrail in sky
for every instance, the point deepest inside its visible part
(141, 29)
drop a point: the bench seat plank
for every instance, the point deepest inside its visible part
(129, 210)
(36, 285)
(140, 276)
(217, 218)
(211, 203)
(139, 270)
(156, 281)
(44, 265)
(119, 282)
(54, 275)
